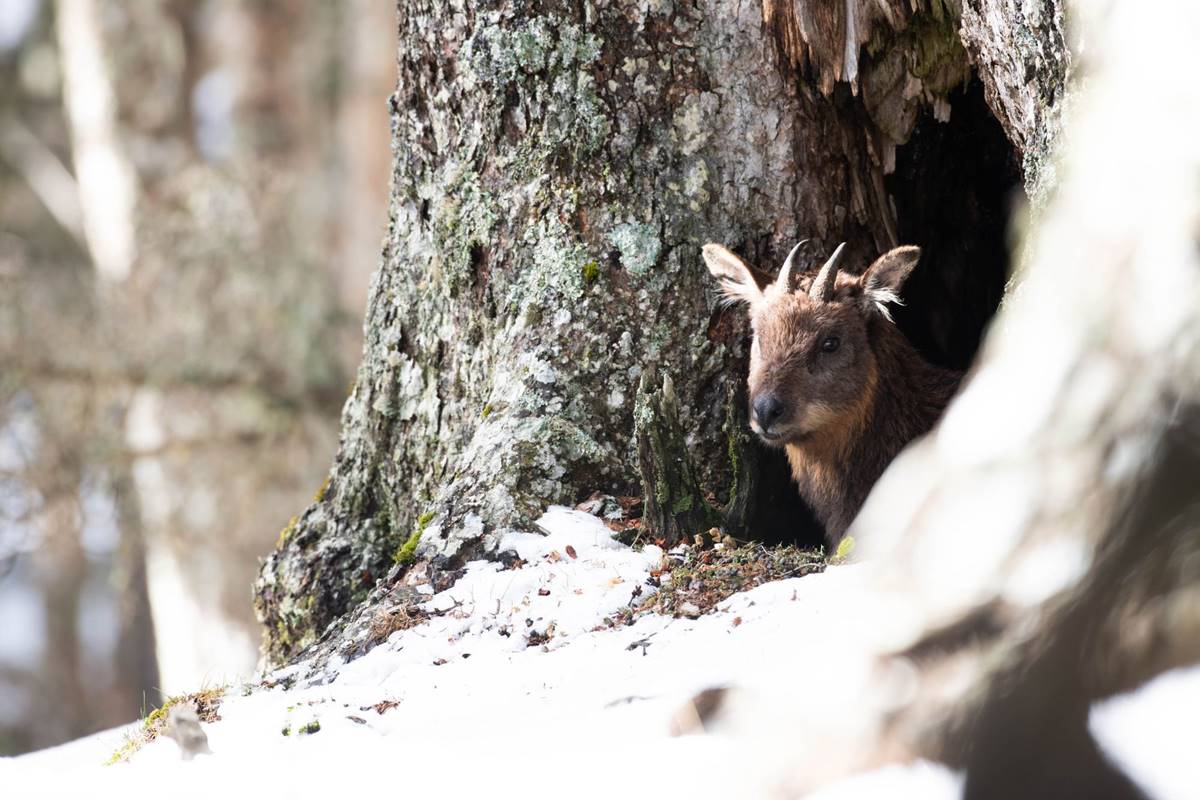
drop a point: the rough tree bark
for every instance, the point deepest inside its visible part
(556, 170)
(675, 507)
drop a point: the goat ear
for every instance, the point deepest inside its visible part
(884, 278)
(740, 283)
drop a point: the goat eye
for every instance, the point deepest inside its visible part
(830, 344)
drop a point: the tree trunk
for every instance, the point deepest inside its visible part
(556, 172)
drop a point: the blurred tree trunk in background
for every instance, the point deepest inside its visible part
(219, 320)
(62, 569)
(556, 172)
(228, 321)
(220, 170)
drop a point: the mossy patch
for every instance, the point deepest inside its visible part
(845, 549)
(206, 701)
(408, 551)
(683, 503)
(696, 579)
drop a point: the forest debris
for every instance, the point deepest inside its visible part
(382, 707)
(400, 618)
(535, 638)
(698, 580)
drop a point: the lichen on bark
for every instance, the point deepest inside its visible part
(1021, 53)
(675, 507)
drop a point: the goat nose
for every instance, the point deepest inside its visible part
(768, 410)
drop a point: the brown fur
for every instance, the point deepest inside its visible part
(849, 412)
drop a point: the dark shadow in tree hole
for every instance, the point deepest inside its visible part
(952, 187)
(778, 515)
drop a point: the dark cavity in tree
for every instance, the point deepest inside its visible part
(953, 186)
(778, 515)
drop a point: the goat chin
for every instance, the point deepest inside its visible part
(783, 438)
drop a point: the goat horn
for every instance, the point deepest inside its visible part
(785, 274)
(822, 285)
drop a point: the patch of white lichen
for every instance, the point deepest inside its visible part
(639, 246)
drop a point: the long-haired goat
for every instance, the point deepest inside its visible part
(832, 380)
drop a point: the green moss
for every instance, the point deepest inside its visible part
(424, 519)
(487, 410)
(131, 745)
(408, 551)
(735, 464)
(320, 495)
(844, 549)
(282, 636)
(591, 271)
(309, 728)
(682, 504)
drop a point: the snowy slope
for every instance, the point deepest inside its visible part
(592, 712)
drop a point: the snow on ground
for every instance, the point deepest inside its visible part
(1149, 734)
(479, 709)
(591, 712)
